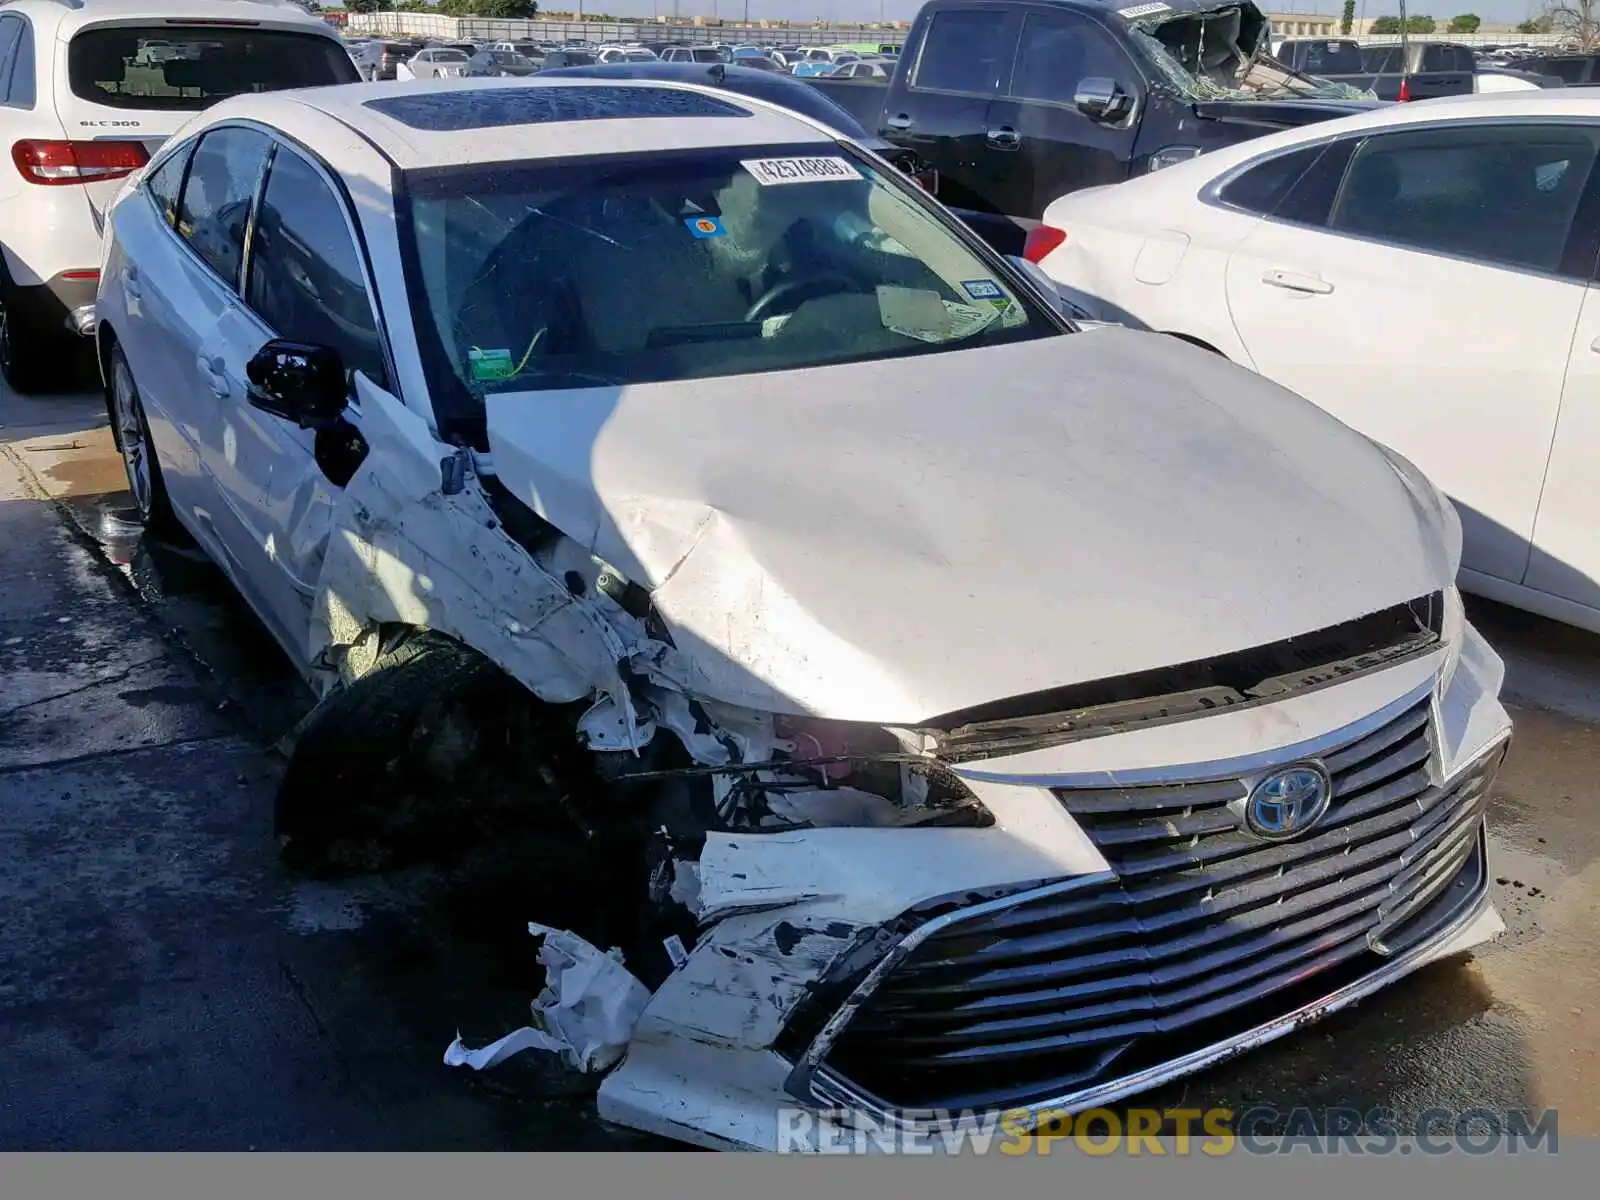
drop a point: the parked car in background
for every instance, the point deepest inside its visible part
(85, 102)
(434, 64)
(1016, 102)
(534, 50)
(861, 69)
(774, 88)
(699, 54)
(382, 60)
(1014, 841)
(1493, 78)
(1426, 273)
(1573, 70)
(608, 54)
(822, 62)
(566, 58)
(500, 62)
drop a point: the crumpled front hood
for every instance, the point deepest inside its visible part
(893, 540)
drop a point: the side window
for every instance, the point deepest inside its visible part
(964, 50)
(1262, 188)
(166, 181)
(1500, 194)
(215, 208)
(10, 35)
(23, 91)
(1059, 50)
(306, 278)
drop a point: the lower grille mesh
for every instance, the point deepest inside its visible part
(1057, 993)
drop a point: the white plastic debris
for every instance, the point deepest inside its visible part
(586, 1012)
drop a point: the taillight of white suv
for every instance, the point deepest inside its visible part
(59, 163)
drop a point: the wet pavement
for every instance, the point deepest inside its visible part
(171, 986)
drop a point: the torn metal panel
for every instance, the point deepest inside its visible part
(403, 551)
(586, 1012)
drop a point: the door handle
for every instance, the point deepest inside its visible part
(1003, 138)
(1293, 281)
(1595, 345)
(130, 283)
(898, 121)
(213, 369)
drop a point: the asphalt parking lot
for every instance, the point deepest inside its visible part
(171, 986)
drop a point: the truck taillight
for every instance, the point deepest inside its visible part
(56, 164)
(1041, 240)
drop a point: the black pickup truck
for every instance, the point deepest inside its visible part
(1016, 102)
(1419, 71)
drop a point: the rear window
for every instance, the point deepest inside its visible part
(1446, 58)
(190, 68)
(1330, 58)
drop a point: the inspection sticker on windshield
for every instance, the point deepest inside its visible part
(489, 365)
(705, 227)
(771, 171)
(982, 289)
(1143, 10)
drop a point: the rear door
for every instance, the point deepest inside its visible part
(1037, 144)
(136, 81)
(1426, 296)
(1566, 547)
(942, 109)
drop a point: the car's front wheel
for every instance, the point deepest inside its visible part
(131, 430)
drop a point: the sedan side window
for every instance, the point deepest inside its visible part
(166, 181)
(306, 276)
(215, 208)
(1058, 51)
(1499, 194)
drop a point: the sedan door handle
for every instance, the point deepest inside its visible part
(215, 373)
(1293, 281)
(898, 121)
(1003, 138)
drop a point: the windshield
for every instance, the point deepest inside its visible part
(638, 269)
(1328, 58)
(1220, 55)
(191, 69)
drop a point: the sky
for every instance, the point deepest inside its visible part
(845, 11)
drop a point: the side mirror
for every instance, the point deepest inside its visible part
(298, 382)
(1101, 99)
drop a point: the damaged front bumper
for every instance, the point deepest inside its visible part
(1113, 930)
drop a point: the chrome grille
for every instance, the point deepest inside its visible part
(1070, 989)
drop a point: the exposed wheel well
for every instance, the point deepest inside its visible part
(1194, 341)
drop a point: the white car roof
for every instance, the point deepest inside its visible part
(1535, 102)
(410, 147)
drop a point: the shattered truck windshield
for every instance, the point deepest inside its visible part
(1221, 54)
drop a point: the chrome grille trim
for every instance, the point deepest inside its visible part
(1196, 919)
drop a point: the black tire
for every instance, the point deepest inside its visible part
(131, 431)
(25, 352)
(346, 803)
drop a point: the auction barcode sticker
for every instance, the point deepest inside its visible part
(769, 171)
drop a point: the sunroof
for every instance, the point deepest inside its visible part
(491, 108)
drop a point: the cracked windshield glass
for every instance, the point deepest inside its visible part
(1221, 54)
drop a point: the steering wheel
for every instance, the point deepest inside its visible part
(821, 284)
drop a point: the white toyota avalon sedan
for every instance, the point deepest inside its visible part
(974, 713)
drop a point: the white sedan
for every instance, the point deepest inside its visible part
(852, 625)
(434, 63)
(1424, 273)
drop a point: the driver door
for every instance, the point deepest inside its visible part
(307, 281)
(1037, 146)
